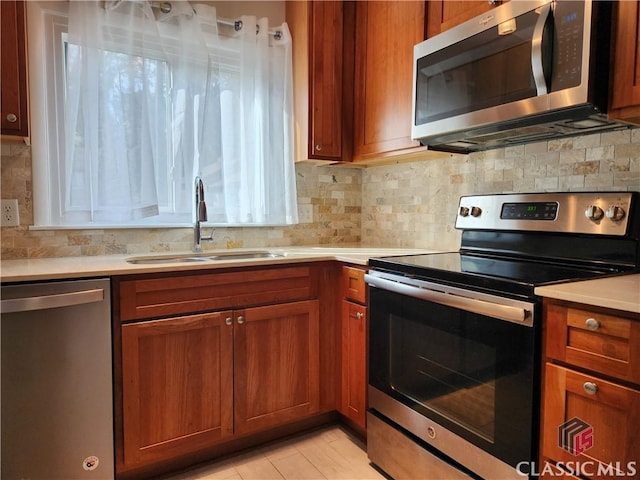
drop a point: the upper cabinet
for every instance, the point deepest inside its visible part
(445, 14)
(385, 33)
(625, 82)
(321, 77)
(13, 70)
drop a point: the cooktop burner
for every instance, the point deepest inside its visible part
(488, 273)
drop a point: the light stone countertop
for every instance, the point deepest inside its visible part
(619, 292)
(23, 270)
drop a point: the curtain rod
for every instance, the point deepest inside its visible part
(165, 7)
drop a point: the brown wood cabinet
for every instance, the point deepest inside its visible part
(276, 365)
(445, 14)
(385, 33)
(322, 79)
(591, 373)
(353, 402)
(233, 353)
(625, 88)
(177, 383)
(13, 70)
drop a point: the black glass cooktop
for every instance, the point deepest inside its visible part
(487, 273)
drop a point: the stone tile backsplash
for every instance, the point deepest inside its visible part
(400, 205)
(415, 205)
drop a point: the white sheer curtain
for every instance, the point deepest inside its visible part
(153, 99)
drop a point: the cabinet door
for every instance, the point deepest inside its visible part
(445, 14)
(325, 80)
(323, 115)
(612, 412)
(276, 365)
(354, 362)
(177, 378)
(385, 35)
(625, 91)
(13, 70)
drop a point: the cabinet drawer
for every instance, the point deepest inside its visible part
(594, 340)
(170, 295)
(611, 411)
(354, 286)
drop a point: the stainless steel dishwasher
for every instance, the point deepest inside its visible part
(57, 400)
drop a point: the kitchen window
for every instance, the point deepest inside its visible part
(133, 102)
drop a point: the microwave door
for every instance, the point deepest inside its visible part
(499, 71)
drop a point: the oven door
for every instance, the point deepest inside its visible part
(463, 360)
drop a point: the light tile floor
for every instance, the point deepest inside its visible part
(329, 453)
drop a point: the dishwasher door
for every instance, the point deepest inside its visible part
(57, 400)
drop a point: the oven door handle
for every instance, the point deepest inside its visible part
(473, 305)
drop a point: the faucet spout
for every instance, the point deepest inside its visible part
(201, 216)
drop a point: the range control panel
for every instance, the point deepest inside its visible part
(600, 213)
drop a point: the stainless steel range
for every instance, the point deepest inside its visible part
(454, 338)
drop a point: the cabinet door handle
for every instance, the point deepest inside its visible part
(358, 315)
(12, 117)
(592, 324)
(590, 387)
(240, 320)
(228, 321)
(318, 147)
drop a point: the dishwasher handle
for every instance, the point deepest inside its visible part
(29, 304)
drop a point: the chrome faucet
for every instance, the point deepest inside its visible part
(201, 216)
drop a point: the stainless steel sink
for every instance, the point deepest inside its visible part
(204, 257)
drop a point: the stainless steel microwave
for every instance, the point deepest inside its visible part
(526, 71)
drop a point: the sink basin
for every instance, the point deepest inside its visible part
(203, 257)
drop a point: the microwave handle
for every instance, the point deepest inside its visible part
(537, 50)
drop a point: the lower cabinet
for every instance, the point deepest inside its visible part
(354, 363)
(601, 420)
(591, 392)
(276, 365)
(353, 400)
(177, 385)
(193, 383)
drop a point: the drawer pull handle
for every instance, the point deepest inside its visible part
(590, 387)
(228, 321)
(240, 320)
(358, 315)
(592, 324)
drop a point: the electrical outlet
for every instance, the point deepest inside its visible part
(10, 215)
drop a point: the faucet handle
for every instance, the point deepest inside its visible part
(210, 237)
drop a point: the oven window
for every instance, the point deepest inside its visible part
(453, 374)
(472, 374)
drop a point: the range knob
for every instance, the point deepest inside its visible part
(615, 213)
(476, 211)
(593, 212)
(464, 211)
